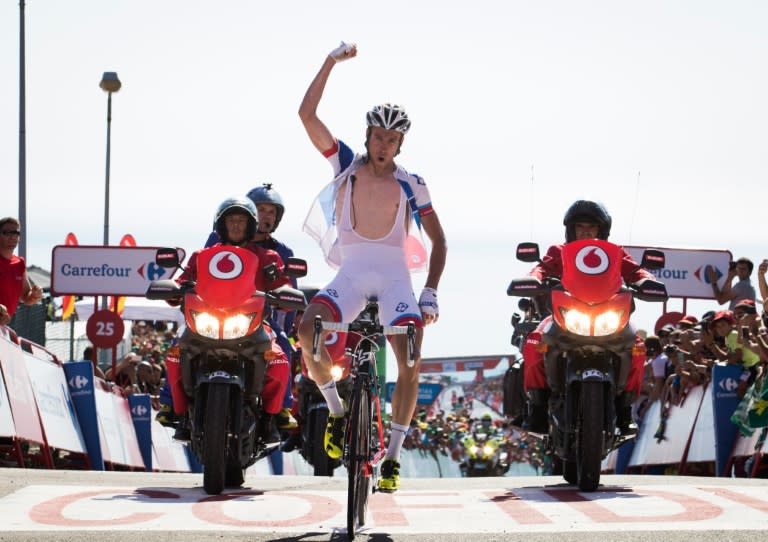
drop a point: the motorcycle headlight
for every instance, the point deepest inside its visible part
(337, 372)
(488, 450)
(607, 323)
(236, 326)
(473, 449)
(206, 325)
(577, 322)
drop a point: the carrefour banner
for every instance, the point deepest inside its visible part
(685, 270)
(141, 411)
(725, 381)
(79, 375)
(100, 270)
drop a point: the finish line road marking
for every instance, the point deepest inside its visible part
(659, 508)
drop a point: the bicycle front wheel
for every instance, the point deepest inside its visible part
(358, 456)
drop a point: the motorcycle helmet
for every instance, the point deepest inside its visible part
(231, 206)
(390, 117)
(266, 194)
(589, 212)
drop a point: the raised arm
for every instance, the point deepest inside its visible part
(317, 131)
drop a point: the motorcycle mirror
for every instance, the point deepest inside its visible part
(164, 290)
(287, 298)
(524, 304)
(528, 252)
(516, 319)
(167, 258)
(653, 259)
(296, 267)
(651, 290)
(525, 287)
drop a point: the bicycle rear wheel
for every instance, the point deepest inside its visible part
(358, 451)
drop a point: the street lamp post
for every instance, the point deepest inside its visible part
(109, 84)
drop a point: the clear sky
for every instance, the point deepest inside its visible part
(656, 108)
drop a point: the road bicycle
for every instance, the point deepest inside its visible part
(364, 434)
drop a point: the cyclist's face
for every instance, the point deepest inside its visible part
(383, 145)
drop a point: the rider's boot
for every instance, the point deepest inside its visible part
(269, 434)
(538, 410)
(624, 421)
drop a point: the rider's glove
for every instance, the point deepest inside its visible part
(343, 52)
(428, 302)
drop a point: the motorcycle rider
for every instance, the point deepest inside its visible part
(583, 220)
(235, 224)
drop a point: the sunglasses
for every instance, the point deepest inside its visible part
(8, 233)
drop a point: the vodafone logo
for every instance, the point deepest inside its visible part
(592, 260)
(225, 265)
(331, 338)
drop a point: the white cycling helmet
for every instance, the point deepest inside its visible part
(390, 117)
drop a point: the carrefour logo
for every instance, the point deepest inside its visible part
(139, 411)
(78, 382)
(728, 384)
(592, 260)
(153, 271)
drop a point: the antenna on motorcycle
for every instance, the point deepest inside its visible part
(167, 258)
(528, 252)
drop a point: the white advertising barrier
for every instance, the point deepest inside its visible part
(7, 428)
(745, 446)
(679, 424)
(702, 446)
(168, 454)
(684, 273)
(20, 394)
(128, 438)
(109, 427)
(57, 412)
(100, 270)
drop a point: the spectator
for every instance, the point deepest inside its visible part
(743, 289)
(88, 355)
(730, 346)
(761, 282)
(14, 282)
(661, 368)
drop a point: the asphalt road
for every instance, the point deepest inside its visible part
(89, 506)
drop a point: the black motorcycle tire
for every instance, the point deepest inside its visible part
(215, 438)
(321, 463)
(570, 472)
(589, 450)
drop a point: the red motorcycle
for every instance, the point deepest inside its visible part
(588, 347)
(223, 355)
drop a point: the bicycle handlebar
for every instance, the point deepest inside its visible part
(323, 325)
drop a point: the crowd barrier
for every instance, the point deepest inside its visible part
(55, 415)
(694, 435)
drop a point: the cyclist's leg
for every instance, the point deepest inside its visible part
(398, 306)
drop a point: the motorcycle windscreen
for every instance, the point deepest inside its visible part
(592, 269)
(226, 276)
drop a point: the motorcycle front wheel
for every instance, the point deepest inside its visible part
(215, 438)
(589, 453)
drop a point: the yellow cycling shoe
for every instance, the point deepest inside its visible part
(334, 436)
(389, 482)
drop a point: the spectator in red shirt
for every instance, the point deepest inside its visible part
(14, 282)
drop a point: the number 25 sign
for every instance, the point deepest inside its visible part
(105, 329)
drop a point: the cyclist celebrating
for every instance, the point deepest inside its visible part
(363, 221)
